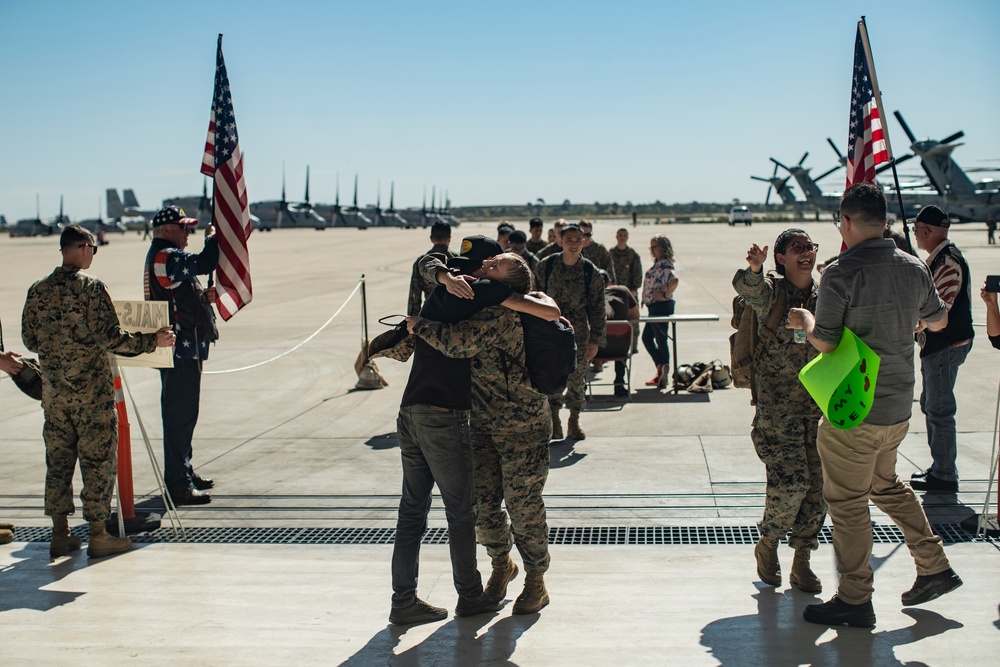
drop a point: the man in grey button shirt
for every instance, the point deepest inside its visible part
(882, 295)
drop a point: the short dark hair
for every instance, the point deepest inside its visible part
(535, 222)
(441, 230)
(864, 205)
(518, 236)
(504, 228)
(74, 235)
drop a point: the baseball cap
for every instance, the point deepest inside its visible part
(934, 216)
(571, 227)
(173, 215)
(474, 250)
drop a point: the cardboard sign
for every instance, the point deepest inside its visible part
(843, 382)
(145, 317)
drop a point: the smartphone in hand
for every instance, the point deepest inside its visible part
(993, 283)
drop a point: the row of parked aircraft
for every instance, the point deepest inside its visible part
(265, 215)
(947, 184)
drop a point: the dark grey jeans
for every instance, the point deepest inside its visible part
(436, 447)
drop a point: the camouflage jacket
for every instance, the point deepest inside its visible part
(503, 399)
(601, 258)
(777, 376)
(420, 287)
(585, 310)
(628, 267)
(70, 321)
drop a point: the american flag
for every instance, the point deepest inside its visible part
(868, 143)
(224, 162)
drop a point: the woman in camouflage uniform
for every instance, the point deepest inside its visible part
(786, 421)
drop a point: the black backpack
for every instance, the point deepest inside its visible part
(550, 353)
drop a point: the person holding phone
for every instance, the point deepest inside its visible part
(989, 295)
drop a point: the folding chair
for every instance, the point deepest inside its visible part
(618, 348)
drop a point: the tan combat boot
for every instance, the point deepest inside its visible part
(768, 567)
(802, 575)
(557, 433)
(533, 597)
(573, 429)
(102, 543)
(6, 535)
(504, 572)
(62, 542)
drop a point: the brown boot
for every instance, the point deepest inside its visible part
(573, 430)
(6, 536)
(557, 433)
(504, 572)
(533, 597)
(62, 542)
(768, 567)
(103, 543)
(6, 525)
(802, 575)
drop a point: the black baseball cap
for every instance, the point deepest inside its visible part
(934, 216)
(169, 215)
(474, 250)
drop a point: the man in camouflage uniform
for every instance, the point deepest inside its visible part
(556, 245)
(70, 321)
(786, 422)
(536, 242)
(572, 280)
(596, 252)
(511, 428)
(419, 287)
(519, 246)
(628, 265)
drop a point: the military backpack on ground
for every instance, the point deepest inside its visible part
(747, 344)
(549, 353)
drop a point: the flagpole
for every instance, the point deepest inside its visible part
(885, 129)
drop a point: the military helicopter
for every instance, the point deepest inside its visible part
(957, 194)
(390, 218)
(779, 185)
(353, 216)
(284, 214)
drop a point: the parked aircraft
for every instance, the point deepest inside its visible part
(284, 214)
(353, 216)
(779, 185)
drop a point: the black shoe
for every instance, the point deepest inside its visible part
(620, 390)
(933, 484)
(190, 496)
(930, 587)
(202, 483)
(484, 604)
(838, 612)
(920, 476)
(417, 612)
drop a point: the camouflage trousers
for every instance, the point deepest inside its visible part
(511, 469)
(794, 504)
(88, 433)
(576, 383)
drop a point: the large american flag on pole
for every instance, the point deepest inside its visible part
(223, 161)
(868, 142)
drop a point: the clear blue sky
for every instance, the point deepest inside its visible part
(496, 102)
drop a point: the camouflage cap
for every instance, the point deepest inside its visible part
(173, 215)
(474, 250)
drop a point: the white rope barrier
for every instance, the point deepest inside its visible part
(287, 352)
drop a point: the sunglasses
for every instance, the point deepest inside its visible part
(799, 248)
(88, 245)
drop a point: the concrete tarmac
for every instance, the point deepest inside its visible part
(298, 454)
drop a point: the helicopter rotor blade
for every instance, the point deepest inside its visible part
(906, 128)
(804, 156)
(828, 172)
(953, 137)
(778, 164)
(767, 199)
(840, 156)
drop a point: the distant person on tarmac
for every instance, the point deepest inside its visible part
(420, 288)
(628, 265)
(536, 242)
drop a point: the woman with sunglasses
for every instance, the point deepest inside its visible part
(658, 288)
(787, 419)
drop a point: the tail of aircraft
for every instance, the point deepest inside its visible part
(130, 200)
(3, 221)
(114, 207)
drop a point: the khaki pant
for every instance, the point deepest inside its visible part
(858, 464)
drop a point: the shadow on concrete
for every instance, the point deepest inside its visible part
(653, 395)
(943, 508)
(562, 454)
(24, 581)
(778, 636)
(456, 642)
(384, 441)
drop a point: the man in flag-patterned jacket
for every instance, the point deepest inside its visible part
(171, 275)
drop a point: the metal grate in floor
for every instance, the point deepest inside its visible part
(581, 535)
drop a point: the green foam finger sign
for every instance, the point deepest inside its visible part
(843, 382)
